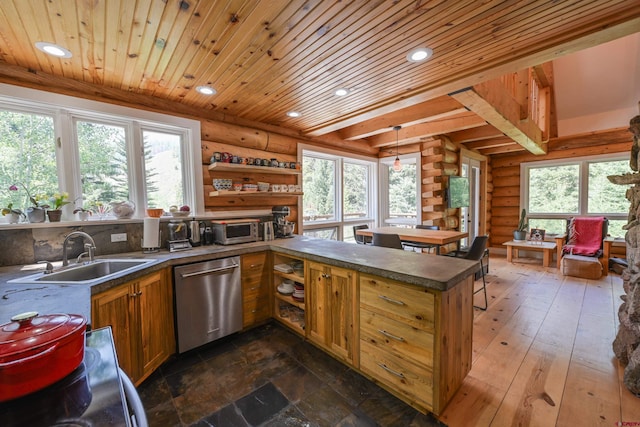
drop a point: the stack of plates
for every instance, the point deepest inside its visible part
(286, 287)
(298, 293)
(283, 268)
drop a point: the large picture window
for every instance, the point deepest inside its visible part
(399, 194)
(97, 153)
(557, 190)
(337, 194)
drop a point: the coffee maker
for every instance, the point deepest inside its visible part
(282, 227)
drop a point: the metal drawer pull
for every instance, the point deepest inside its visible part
(387, 334)
(391, 300)
(391, 371)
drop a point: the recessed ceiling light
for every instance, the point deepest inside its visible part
(293, 114)
(419, 54)
(53, 49)
(341, 92)
(206, 90)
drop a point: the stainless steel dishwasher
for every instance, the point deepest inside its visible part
(208, 301)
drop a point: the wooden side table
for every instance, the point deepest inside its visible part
(547, 249)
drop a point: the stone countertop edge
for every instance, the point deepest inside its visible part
(410, 267)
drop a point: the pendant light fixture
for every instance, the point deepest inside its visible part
(397, 166)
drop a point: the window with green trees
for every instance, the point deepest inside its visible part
(557, 190)
(337, 194)
(96, 153)
(28, 158)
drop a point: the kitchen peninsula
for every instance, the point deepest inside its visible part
(426, 298)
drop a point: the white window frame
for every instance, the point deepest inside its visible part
(383, 212)
(583, 195)
(340, 158)
(66, 109)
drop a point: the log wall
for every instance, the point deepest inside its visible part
(440, 158)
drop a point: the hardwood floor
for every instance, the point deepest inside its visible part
(542, 352)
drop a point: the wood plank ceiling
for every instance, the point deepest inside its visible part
(267, 57)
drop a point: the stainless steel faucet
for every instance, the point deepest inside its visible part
(90, 247)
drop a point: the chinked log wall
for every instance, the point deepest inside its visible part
(440, 159)
(504, 211)
(246, 142)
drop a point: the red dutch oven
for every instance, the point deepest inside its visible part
(36, 351)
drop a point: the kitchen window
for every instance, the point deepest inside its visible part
(557, 190)
(98, 153)
(400, 194)
(339, 192)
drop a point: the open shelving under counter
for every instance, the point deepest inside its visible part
(287, 309)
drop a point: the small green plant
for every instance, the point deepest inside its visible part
(522, 225)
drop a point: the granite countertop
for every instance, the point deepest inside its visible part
(439, 273)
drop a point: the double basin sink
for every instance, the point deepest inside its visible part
(89, 273)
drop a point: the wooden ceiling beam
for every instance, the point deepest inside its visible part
(504, 149)
(489, 143)
(421, 131)
(490, 101)
(436, 109)
(475, 134)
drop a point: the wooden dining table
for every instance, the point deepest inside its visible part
(420, 235)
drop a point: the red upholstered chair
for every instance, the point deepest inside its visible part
(582, 245)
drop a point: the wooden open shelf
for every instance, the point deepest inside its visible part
(234, 167)
(227, 193)
(289, 300)
(295, 326)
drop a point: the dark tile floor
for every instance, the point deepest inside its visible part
(268, 377)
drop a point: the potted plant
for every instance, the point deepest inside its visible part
(35, 213)
(14, 214)
(58, 200)
(83, 213)
(521, 232)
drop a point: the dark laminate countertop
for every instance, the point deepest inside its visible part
(435, 272)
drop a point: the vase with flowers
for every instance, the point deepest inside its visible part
(36, 212)
(57, 200)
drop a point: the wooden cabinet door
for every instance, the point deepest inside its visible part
(332, 309)
(114, 308)
(316, 294)
(341, 331)
(154, 299)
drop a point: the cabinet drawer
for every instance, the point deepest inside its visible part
(412, 305)
(413, 382)
(255, 310)
(251, 290)
(397, 338)
(254, 266)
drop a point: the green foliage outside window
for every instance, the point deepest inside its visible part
(355, 191)
(402, 191)
(28, 157)
(319, 188)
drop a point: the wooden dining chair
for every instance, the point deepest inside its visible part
(419, 245)
(387, 240)
(361, 240)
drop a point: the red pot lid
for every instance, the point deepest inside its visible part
(27, 331)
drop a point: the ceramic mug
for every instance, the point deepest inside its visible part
(275, 188)
(292, 188)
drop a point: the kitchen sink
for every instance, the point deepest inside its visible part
(94, 272)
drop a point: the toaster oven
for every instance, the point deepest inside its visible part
(231, 232)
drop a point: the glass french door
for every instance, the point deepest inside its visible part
(470, 216)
